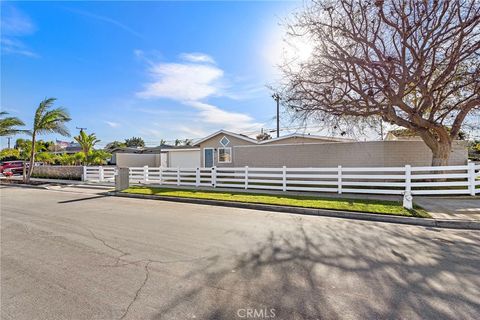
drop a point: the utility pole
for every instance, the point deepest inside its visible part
(9, 141)
(381, 128)
(81, 129)
(276, 97)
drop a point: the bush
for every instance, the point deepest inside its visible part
(9, 154)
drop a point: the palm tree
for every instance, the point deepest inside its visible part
(99, 157)
(115, 144)
(45, 157)
(8, 125)
(86, 141)
(47, 120)
(79, 158)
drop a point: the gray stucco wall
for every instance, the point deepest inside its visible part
(350, 154)
(138, 159)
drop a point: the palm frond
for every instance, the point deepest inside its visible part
(53, 121)
(8, 125)
(44, 105)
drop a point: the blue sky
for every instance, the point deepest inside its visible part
(151, 69)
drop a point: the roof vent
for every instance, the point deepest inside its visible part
(224, 142)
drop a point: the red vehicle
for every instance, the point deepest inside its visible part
(16, 167)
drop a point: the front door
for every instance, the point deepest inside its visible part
(208, 158)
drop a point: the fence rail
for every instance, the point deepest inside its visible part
(380, 180)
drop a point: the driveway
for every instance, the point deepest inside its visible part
(74, 254)
(460, 207)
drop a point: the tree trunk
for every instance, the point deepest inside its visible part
(440, 145)
(32, 159)
(441, 154)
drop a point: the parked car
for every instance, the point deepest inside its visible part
(16, 167)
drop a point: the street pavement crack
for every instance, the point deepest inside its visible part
(128, 263)
(137, 293)
(122, 253)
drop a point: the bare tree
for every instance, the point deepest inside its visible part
(412, 63)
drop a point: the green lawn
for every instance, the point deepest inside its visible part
(371, 206)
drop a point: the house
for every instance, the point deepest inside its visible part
(62, 147)
(228, 149)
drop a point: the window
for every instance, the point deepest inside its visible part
(224, 155)
(224, 142)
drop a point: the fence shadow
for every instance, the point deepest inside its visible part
(342, 272)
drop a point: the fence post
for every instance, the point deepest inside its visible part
(471, 177)
(160, 174)
(284, 178)
(214, 177)
(145, 174)
(100, 174)
(246, 177)
(84, 175)
(197, 177)
(178, 176)
(339, 179)
(407, 196)
(408, 178)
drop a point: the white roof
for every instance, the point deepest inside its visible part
(236, 135)
(254, 141)
(308, 136)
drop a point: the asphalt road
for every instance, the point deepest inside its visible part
(77, 255)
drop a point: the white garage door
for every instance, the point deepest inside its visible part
(184, 159)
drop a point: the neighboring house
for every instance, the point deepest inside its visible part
(227, 149)
(62, 147)
(73, 148)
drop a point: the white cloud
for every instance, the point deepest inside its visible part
(183, 82)
(138, 53)
(113, 124)
(153, 133)
(197, 57)
(191, 83)
(193, 132)
(15, 24)
(14, 46)
(107, 20)
(213, 115)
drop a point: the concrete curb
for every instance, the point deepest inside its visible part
(30, 186)
(425, 222)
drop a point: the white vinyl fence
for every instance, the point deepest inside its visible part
(380, 180)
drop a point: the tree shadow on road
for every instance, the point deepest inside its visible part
(352, 270)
